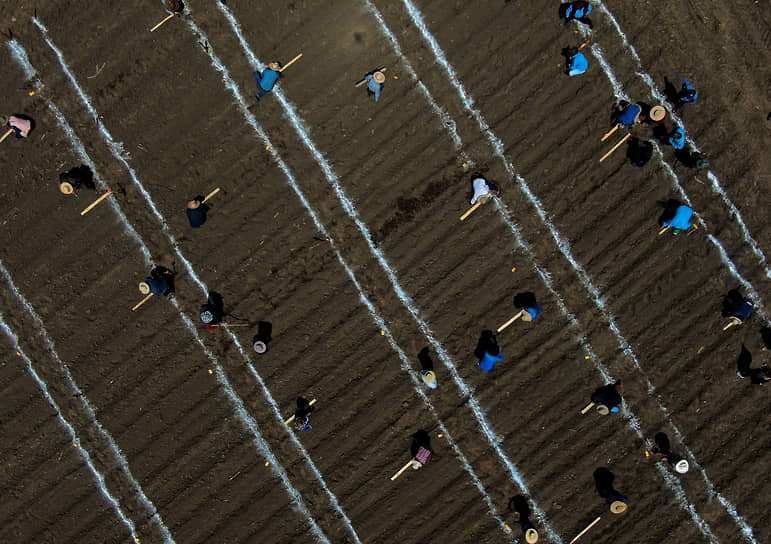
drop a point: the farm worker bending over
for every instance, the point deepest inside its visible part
(738, 308)
(681, 220)
(677, 463)
(630, 115)
(21, 127)
(491, 353)
(161, 281)
(483, 190)
(196, 212)
(375, 83)
(267, 79)
(677, 138)
(302, 415)
(420, 449)
(532, 313)
(173, 6)
(608, 398)
(75, 178)
(687, 94)
(577, 64)
(577, 11)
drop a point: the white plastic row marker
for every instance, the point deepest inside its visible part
(243, 416)
(76, 442)
(493, 439)
(658, 95)
(563, 245)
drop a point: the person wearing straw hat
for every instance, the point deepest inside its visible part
(607, 398)
(76, 178)
(576, 11)
(267, 79)
(736, 307)
(518, 504)
(483, 189)
(375, 83)
(160, 283)
(420, 449)
(676, 462)
(429, 378)
(21, 125)
(657, 115)
(196, 212)
(603, 479)
(302, 415)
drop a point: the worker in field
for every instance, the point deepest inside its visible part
(76, 178)
(21, 125)
(521, 509)
(483, 189)
(213, 311)
(627, 114)
(687, 94)
(196, 212)
(488, 351)
(527, 302)
(375, 84)
(737, 308)
(603, 479)
(173, 6)
(160, 283)
(302, 420)
(420, 449)
(681, 219)
(576, 62)
(676, 462)
(607, 398)
(267, 79)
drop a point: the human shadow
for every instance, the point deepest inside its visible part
(420, 439)
(671, 92)
(486, 344)
(524, 300)
(639, 152)
(603, 481)
(765, 334)
(426, 363)
(670, 209)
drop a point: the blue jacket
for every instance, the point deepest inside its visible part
(488, 361)
(374, 86)
(677, 138)
(577, 64)
(745, 310)
(268, 79)
(688, 94)
(629, 115)
(535, 311)
(681, 220)
(158, 287)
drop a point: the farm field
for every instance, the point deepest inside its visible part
(337, 225)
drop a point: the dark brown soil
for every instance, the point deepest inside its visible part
(149, 381)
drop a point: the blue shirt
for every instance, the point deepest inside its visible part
(681, 220)
(677, 138)
(578, 13)
(488, 361)
(688, 94)
(374, 86)
(268, 79)
(535, 311)
(578, 64)
(629, 115)
(158, 287)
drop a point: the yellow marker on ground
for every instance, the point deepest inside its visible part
(382, 333)
(267, 463)
(440, 435)
(587, 357)
(514, 269)
(210, 371)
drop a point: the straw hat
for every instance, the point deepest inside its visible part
(260, 347)
(527, 317)
(531, 536)
(618, 507)
(274, 65)
(193, 204)
(66, 188)
(430, 378)
(378, 77)
(603, 410)
(144, 288)
(658, 113)
(416, 465)
(682, 466)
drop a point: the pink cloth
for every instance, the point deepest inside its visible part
(22, 124)
(422, 455)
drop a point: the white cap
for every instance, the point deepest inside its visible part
(682, 466)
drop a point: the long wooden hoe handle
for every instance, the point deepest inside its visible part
(733, 322)
(214, 192)
(470, 211)
(510, 321)
(587, 408)
(611, 131)
(363, 81)
(624, 139)
(401, 470)
(290, 63)
(134, 309)
(291, 419)
(592, 524)
(95, 202)
(10, 131)
(665, 229)
(156, 27)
